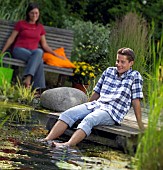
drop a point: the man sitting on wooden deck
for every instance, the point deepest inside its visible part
(113, 94)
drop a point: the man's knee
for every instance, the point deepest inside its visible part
(90, 121)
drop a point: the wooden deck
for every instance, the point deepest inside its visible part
(124, 136)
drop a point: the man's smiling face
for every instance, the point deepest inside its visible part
(123, 64)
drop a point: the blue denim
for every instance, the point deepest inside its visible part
(89, 117)
(34, 65)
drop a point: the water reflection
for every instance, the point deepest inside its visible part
(20, 149)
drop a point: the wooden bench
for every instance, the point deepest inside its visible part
(55, 37)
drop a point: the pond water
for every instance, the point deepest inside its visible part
(20, 129)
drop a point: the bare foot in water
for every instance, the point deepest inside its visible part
(56, 144)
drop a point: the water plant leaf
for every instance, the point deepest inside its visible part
(68, 166)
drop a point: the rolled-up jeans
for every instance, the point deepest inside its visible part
(89, 117)
(34, 65)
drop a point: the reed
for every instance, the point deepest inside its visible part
(150, 149)
(132, 32)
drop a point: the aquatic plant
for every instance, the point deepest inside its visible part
(10, 112)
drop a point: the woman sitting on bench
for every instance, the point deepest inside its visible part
(26, 36)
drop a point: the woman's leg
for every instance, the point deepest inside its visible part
(23, 54)
(34, 67)
(39, 77)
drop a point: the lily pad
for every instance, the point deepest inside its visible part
(96, 160)
(65, 165)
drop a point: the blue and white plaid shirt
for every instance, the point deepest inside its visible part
(116, 93)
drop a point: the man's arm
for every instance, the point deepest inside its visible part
(137, 110)
(94, 96)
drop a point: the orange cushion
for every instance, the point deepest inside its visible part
(55, 61)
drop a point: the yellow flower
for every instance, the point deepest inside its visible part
(83, 63)
(91, 75)
(84, 67)
(77, 70)
(90, 68)
(84, 72)
(74, 62)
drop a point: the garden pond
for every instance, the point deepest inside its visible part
(20, 129)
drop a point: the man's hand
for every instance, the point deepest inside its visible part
(94, 96)
(141, 127)
(138, 114)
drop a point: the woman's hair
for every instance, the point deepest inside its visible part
(30, 7)
(127, 52)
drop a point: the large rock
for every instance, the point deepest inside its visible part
(62, 98)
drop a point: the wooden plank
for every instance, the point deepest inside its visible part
(128, 128)
(97, 139)
(121, 137)
(53, 69)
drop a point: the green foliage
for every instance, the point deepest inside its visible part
(19, 115)
(89, 90)
(150, 150)
(7, 91)
(106, 12)
(77, 8)
(152, 11)
(90, 42)
(13, 10)
(24, 95)
(16, 93)
(52, 12)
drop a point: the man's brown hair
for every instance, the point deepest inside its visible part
(127, 52)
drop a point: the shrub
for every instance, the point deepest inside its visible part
(91, 42)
